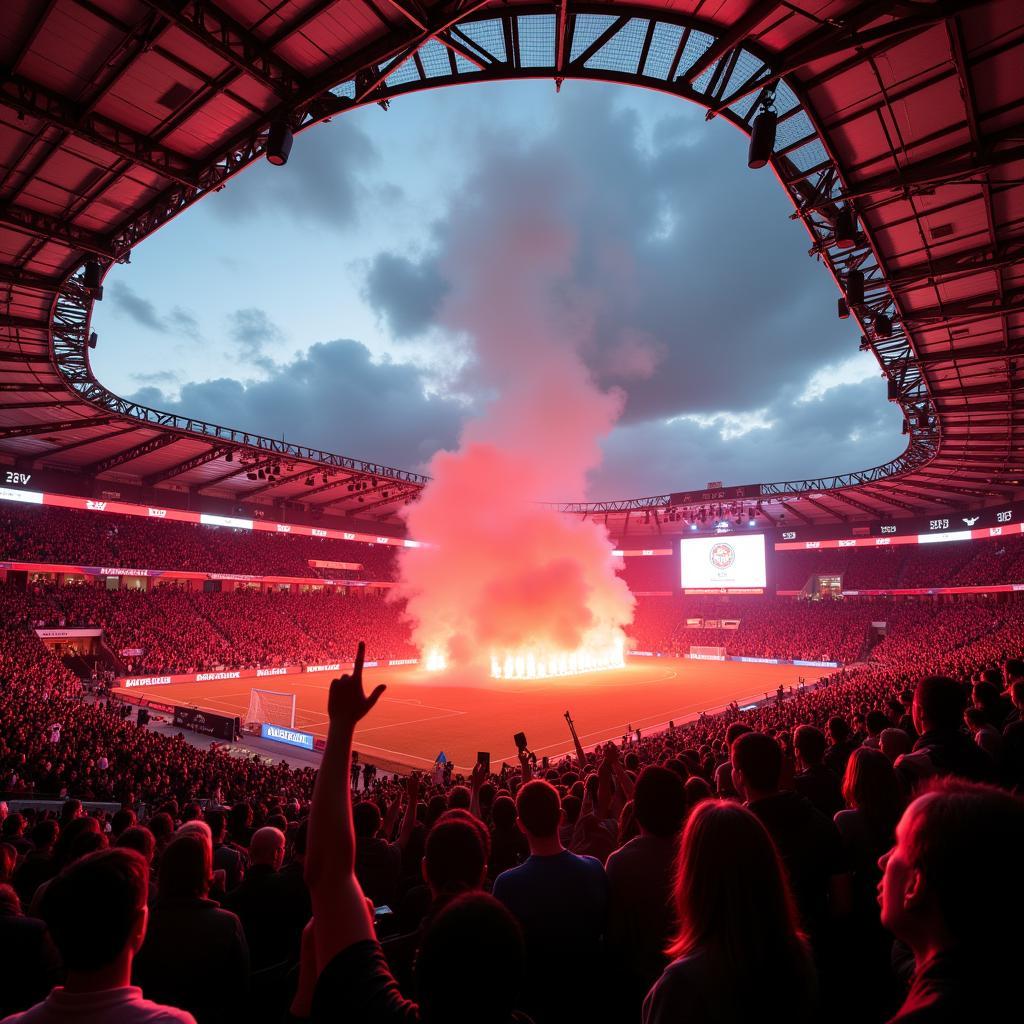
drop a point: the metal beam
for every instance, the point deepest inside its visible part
(603, 38)
(18, 388)
(390, 500)
(983, 484)
(38, 457)
(842, 496)
(561, 36)
(888, 499)
(24, 323)
(411, 11)
(1004, 253)
(953, 166)
(153, 444)
(981, 307)
(366, 85)
(42, 225)
(732, 37)
(305, 495)
(280, 482)
(796, 512)
(36, 405)
(224, 36)
(184, 467)
(31, 429)
(29, 279)
(358, 496)
(19, 357)
(825, 508)
(997, 350)
(845, 33)
(34, 100)
(251, 467)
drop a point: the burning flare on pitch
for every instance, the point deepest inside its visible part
(541, 664)
(507, 583)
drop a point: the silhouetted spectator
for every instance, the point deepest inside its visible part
(943, 895)
(96, 914)
(739, 954)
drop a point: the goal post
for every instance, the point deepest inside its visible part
(272, 707)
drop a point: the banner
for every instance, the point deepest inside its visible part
(223, 727)
(707, 653)
(280, 734)
(66, 634)
(126, 508)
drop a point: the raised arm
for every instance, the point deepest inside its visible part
(476, 780)
(409, 821)
(340, 915)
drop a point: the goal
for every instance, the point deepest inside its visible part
(272, 707)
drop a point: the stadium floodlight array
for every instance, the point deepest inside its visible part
(271, 707)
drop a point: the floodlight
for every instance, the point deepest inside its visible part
(883, 326)
(854, 287)
(762, 139)
(844, 309)
(845, 234)
(93, 278)
(279, 143)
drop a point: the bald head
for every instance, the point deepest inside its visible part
(267, 847)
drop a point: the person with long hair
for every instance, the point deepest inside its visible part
(875, 799)
(738, 952)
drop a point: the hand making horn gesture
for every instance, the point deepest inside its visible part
(347, 703)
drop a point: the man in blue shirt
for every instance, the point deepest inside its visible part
(561, 901)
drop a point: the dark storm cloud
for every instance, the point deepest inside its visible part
(680, 245)
(851, 427)
(327, 178)
(333, 396)
(136, 308)
(143, 312)
(157, 377)
(252, 331)
(406, 294)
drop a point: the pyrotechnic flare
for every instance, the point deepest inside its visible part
(509, 584)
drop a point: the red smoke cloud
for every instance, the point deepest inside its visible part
(508, 573)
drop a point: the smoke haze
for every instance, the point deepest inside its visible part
(507, 573)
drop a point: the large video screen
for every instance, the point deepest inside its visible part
(723, 562)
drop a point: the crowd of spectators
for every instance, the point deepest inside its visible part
(69, 537)
(179, 630)
(769, 627)
(846, 854)
(951, 564)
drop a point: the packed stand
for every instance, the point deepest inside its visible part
(952, 564)
(182, 631)
(66, 536)
(769, 627)
(844, 855)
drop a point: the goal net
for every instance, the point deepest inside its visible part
(272, 707)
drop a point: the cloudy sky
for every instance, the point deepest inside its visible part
(307, 301)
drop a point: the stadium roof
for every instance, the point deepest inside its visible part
(116, 115)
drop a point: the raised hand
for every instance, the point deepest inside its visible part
(347, 702)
